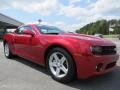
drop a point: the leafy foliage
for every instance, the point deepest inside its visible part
(101, 26)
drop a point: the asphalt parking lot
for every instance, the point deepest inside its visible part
(20, 74)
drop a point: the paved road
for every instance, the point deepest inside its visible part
(20, 74)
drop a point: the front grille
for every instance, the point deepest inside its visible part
(108, 50)
(110, 65)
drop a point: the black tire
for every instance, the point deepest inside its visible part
(9, 55)
(71, 66)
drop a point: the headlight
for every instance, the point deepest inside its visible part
(115, 49)
(103, 50)
(96, 49)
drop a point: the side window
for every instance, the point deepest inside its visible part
(28, 28)
(20, 30)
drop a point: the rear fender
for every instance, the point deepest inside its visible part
(9, 38)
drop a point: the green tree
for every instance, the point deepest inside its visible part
(100, 26)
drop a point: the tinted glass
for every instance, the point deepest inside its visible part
(21, 29)
(28, 28)
(49, 30)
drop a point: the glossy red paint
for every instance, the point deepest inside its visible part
(34, 48)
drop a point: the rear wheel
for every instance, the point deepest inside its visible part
(60, 65)
(7, 51)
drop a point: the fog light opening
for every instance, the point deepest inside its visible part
(99, 67)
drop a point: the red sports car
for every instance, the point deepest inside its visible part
(66, 55)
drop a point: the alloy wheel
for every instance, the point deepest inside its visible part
(6, 50)
(58, 64)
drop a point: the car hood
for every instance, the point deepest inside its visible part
(90, 39)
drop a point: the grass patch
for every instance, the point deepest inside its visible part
(110, 36)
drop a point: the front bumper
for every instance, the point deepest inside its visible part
(87, 66)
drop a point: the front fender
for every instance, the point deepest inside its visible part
(71, 46)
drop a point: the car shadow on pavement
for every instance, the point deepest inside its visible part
(109, 81)
(31, 64)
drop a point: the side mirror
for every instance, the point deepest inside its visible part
(29, 32)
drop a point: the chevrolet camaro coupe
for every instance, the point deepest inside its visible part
(65, 55)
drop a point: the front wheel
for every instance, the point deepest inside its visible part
(7, 51)
(61, 65)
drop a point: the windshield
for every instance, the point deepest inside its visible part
(49, 29)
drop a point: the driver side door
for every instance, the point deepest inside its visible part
(22, 42)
